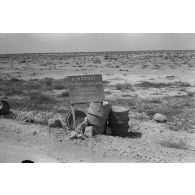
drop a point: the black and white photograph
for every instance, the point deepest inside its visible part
(97, 97)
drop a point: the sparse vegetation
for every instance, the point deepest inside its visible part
(40, 98)
(13, 79)
(126, 95)
(124, 86)
(106, 82)
(191, 94)
(33, 94)
(37, 94)
(64, 94)
(48, 81)
(147, 84)
(178, 144)
(13, 92)
(154, 100)
(179, 111)
(107, 92)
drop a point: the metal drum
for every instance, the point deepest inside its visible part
(118, 125)
(98, 115)
(96, 120)
(119, 129)
(119, 114)
(79, 118)
(118, 120)
(122, 132)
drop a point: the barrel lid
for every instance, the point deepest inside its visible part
(119, 109)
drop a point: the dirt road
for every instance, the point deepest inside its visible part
(20, 141)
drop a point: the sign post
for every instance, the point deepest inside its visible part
(84, 89)
(73, 115)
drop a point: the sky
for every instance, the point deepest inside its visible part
(91, 42)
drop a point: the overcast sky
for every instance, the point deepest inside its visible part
(32, 43)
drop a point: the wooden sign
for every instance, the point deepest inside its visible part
(86, 88)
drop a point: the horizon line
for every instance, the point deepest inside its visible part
(149, 50)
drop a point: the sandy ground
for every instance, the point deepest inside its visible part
(20, 141)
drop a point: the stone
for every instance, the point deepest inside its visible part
(73, 135)
(160, 117)
(81, 136)
(55, 123)
(89, 131)
(108, 131)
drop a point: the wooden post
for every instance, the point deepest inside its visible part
(73, 114)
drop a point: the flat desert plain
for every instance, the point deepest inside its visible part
(148, 82)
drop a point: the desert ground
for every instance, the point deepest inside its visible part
(148, 82)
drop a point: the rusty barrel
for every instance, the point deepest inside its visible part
(98, 115)
(118, 120)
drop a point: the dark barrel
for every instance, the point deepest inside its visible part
(119, 125)
(119, 114)
(118, 120)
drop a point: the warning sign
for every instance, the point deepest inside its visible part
(86, 88)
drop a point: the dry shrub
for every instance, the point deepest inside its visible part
(191, 94)
(48, 81)
(147, 84)
(126, 95)
(124, 86)
(13, 91)
(154, 100)
(107, 92)
(182, 84)
(64, 94)
(37, 97)
(177, 144)
(13, 79)
(106, 82)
